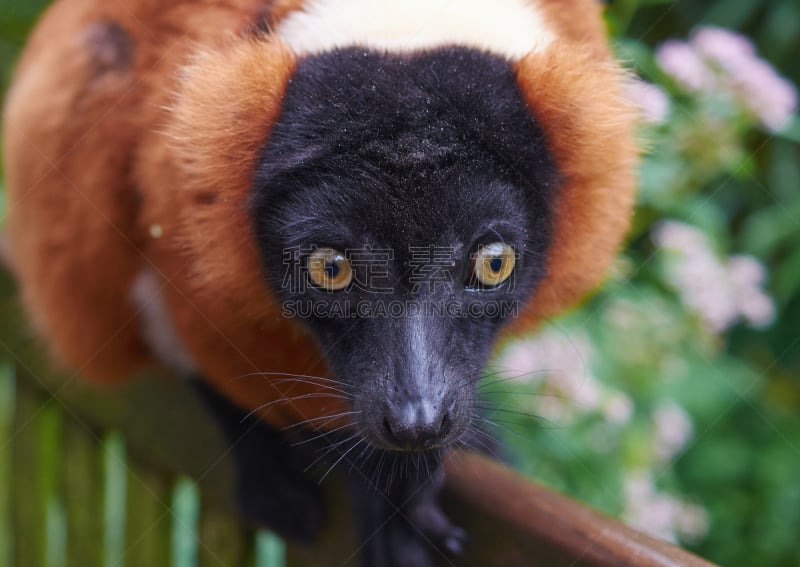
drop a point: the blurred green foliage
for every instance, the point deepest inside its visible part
(704, 444)
(732, 477)
(16, 20)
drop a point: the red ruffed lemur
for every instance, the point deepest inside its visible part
(318, 211)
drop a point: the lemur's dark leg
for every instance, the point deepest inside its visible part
(395, 495)
(398, 517)
(395, 499)
(272, 489)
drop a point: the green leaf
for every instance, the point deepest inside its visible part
(730, 14)
(786, 276)
(791, 132)
(763, 232)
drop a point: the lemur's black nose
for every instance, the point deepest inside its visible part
(416, 426)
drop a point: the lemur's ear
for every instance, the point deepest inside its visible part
(578, 99)
(218, 121)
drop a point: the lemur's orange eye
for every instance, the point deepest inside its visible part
(329, 269)
(493, 264)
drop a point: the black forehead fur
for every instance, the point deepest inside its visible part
(399, 150)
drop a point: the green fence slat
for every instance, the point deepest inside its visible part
(28, 481)
(185, 515)
(223, 542)
(50, 445)
(115, 473)
(56, 530)
(270, 550)
(7, 387)
(39, 511)
(83, 496)
(147, 528)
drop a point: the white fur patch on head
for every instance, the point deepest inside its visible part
(511, 28)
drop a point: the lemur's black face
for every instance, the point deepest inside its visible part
(403, 210)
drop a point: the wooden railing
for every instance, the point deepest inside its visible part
(139, 475)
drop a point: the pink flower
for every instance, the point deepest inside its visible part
(679, 236)
(557, 367)
(673, 430)
(660, 514)
(747, 276)
(724, 47)
(757, 309)
(618, 408)
(720, 291)
(719, 62)
(766, 94)
(651, 100)
(746, 271)
(679, 60)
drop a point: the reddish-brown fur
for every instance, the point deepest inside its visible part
(206, 150)
(576, 92)
(117, 162)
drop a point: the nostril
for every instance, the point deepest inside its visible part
(387, 430)
(445, 425)
(415, 430)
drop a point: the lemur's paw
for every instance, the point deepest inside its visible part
(455, 542)
(409, 544)
(435, 527)
(427, 516)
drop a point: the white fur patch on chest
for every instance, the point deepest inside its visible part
(158, 332)
(511, 28)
